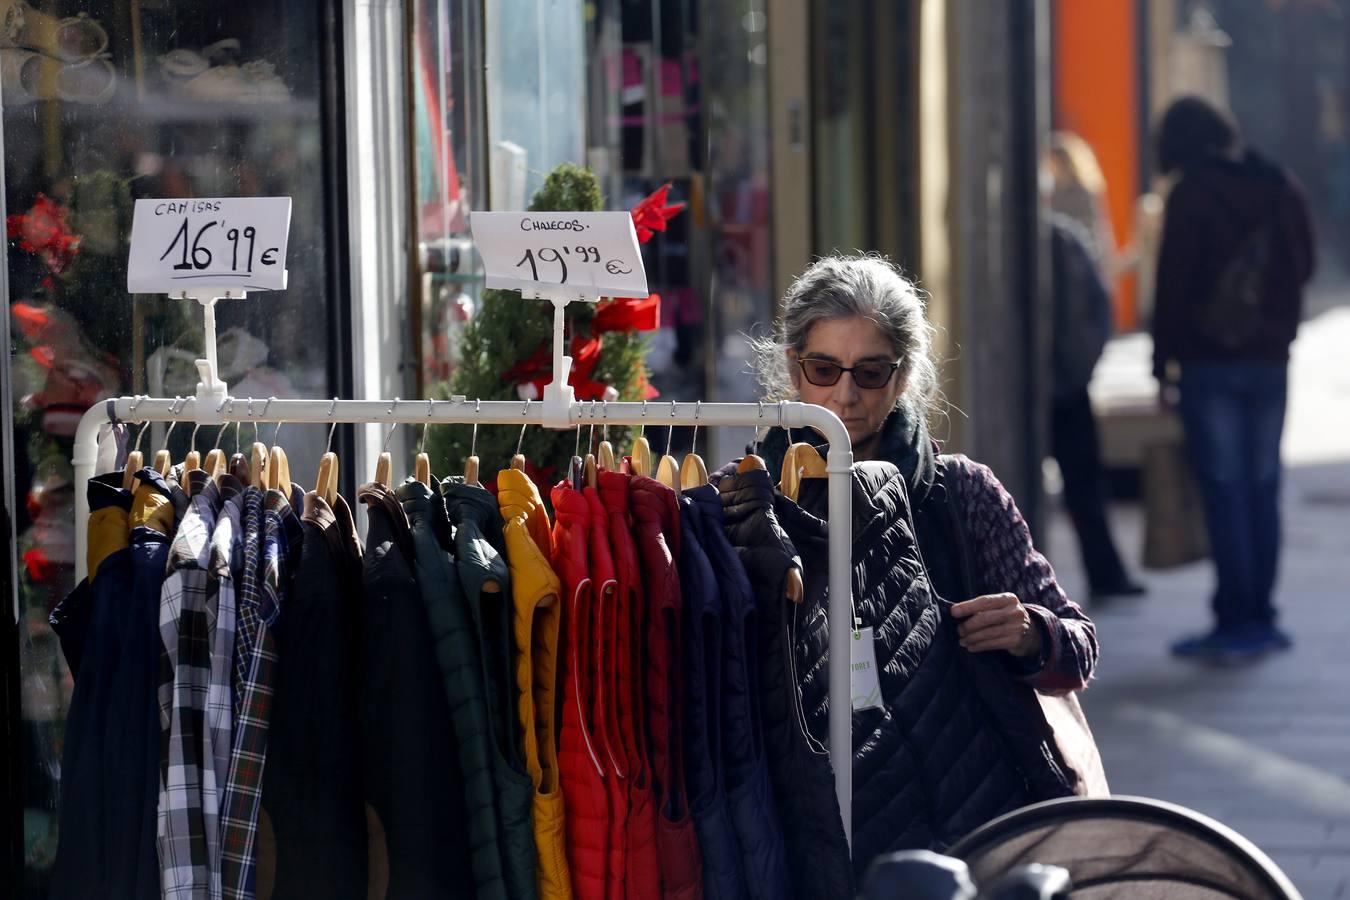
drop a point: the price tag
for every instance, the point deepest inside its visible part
(865, 680)
(546, 254)
(177, 245)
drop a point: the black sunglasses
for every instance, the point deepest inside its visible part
(868, 375)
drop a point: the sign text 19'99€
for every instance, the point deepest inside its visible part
(177, 245)
(594, 254)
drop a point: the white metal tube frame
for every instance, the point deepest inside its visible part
(503, 412)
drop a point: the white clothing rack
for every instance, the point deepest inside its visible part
(556, 412)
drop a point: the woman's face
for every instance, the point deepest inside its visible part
(848, 343)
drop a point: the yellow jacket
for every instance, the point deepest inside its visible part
(533, 581)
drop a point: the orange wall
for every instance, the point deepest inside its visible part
(1096, 96)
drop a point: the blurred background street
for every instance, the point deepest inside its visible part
(1263, 748)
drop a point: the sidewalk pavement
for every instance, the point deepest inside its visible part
(1263, 748)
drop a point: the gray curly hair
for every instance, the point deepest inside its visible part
(869, 286)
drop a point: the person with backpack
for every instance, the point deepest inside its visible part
(1082, 325)
(1236, 253)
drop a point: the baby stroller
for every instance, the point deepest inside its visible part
(1088, 849)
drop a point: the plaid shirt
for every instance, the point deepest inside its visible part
(227, 563)
(186, 837)
(260, 599)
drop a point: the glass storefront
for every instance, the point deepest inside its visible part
(105, 102)
(114, 100)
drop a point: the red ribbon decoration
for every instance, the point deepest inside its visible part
(652, 213)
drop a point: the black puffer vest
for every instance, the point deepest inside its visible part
(932, 764)
(803, 780)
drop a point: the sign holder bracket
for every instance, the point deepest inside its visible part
(211, 389)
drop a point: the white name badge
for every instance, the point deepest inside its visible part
(177, 245)
(547, 254)
(864, 680)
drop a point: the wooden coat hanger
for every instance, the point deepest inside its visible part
(668, 470)
(801, 461)
(605, 457)
(193, 460)
(693, 471)
(163, 461)
(257, 464)
(422, 464)
(135, 461)
(384, 463)
(640, 459)
(518, 461)
(326, 482)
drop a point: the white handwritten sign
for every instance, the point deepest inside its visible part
(177, 245)
(545, 254)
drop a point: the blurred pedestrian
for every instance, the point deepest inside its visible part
(1237, 250)
(1082, 325)
(1079, 192)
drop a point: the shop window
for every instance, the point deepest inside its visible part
(104, 102)
(678, 92)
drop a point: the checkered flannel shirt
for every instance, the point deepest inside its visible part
(227, 563)
(186, 838)
(260, 600)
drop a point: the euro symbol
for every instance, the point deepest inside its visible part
(615, 267)
(269, 257)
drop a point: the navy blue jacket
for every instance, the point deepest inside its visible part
(722, 875)
(749, 792)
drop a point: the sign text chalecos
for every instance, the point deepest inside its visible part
(595, 254)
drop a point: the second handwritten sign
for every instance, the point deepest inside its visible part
(595, 254)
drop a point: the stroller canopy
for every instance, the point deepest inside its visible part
(1126, 847)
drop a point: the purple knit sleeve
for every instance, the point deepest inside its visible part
(1005, 560)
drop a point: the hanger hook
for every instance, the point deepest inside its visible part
(576, 448)
(168, 431)
(276, 432)
(140, 434)
(390, 410)
(267, 406)
(238, 427)
(521, 439)
(604, 414)
(220, 434)
(422, 447)
(332, 408)
(192, 441)
(473, 439)
(693, 441)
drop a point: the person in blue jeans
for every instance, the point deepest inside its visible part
(1236, 253)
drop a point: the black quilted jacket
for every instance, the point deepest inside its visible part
(933, 764)
(803, 781)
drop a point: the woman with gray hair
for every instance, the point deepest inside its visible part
(854, 338)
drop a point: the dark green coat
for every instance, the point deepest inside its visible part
(479, 547)
(461, 666)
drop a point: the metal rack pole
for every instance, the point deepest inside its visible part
(504, 412)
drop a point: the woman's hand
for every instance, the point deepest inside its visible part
(997, 622)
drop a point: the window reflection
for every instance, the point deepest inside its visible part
(103, 103)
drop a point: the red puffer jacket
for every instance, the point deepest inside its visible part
(579, 759)
(643, 871)
(603, 712)
(655, 511)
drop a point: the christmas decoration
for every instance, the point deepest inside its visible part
(506, 350)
